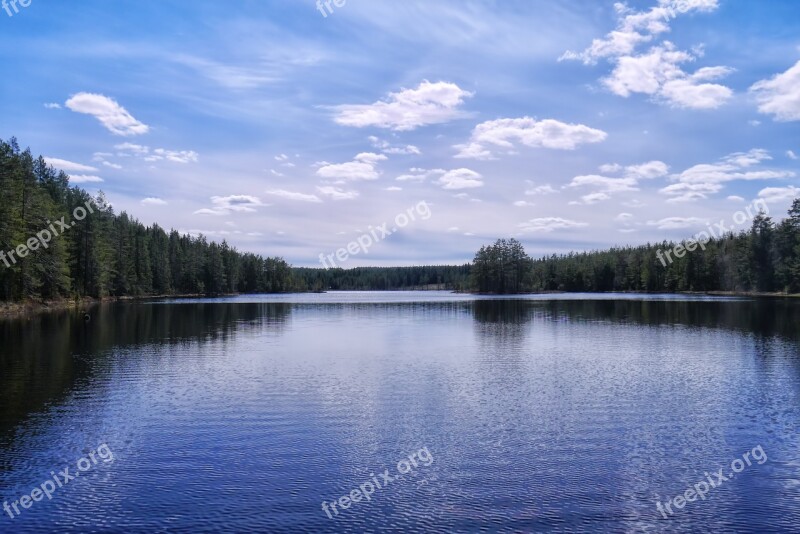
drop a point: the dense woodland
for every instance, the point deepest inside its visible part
(764, 259)
(109, 254)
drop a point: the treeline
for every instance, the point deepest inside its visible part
(384, 278)
(105, 254)
(765, 258)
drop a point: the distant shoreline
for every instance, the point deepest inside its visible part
(19, 309)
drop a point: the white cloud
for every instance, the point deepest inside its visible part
(616, 43)
(291, 195)
(111, 115)
(549, 224)
(546, 189)
(523, 204)
(52, 105)
(157, 154)
(646, 73)
(420, 175)
(610, 168)
(112, 165)
(393, 188)
(677, 223)
(429, 103)
(622, 217)
(387, 148)
(790, 154)
(606, 185)
(591, 198)
(748, 159)
(363, 167)
(139, 150)
(153, 201)
(635, 28)
(68, 166)
(688, 192)
(686, 94)
(779, 194)
(460, 179)
(176, 156)
(336, 193)
(84, 179)
(649, 170)
(547, 133)
(230, 204)
(730, 168)
(656, 73)
(690, 93)
(736, 198)
(780, 95)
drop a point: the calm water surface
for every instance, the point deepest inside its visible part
(568, 413)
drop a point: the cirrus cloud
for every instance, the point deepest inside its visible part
(291, 195)
(68, 166)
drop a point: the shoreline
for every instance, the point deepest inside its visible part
(706, 293)
(32, 307)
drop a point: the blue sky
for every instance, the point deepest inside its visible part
(570, 125)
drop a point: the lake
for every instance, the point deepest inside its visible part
(402, 412)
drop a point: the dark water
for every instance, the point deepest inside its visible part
(244, 415)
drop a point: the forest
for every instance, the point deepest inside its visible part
(107, 254)
(114, 255)
(441, 277)
(764, 259)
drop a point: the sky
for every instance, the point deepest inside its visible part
(291, 128)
